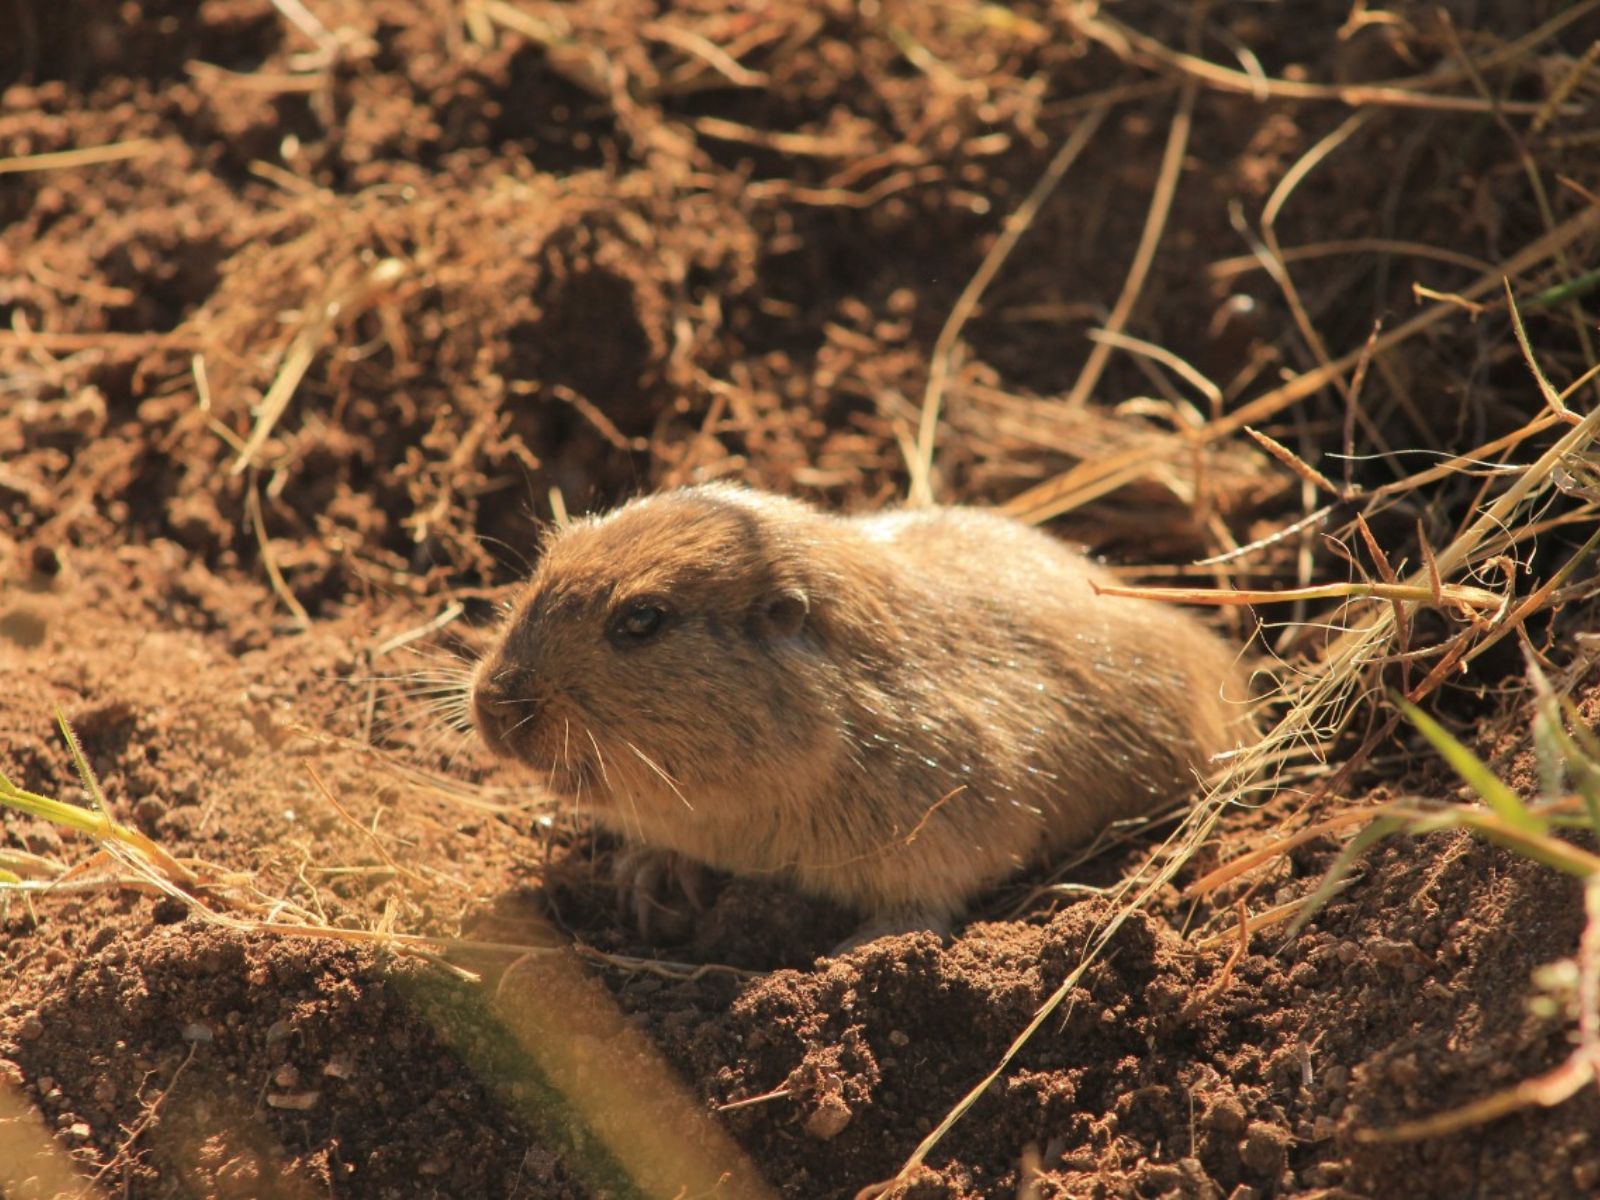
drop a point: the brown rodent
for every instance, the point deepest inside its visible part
(894, 711)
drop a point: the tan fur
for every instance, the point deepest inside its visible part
(957, 703)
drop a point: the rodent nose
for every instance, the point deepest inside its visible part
(500, 706)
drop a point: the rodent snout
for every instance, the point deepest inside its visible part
(502, 704)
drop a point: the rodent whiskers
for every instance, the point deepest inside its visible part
(605, 778)
(656, 767)
(434, 699)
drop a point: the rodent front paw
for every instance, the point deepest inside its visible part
(660, 891)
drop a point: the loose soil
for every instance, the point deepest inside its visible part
(502, 257)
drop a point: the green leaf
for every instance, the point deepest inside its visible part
(1505, 802)
(1333, 879)
(1572, 289)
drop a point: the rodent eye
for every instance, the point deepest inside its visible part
(640, 622)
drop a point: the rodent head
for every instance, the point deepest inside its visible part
(658, 650)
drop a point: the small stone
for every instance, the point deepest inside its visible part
(293, 1101)
(829, 1119)
(1404, 1072)
(1195, 1181)
(30, 1028)
(1324, 1174)
(179, 823)
(79, 1131)
(286, 1076)
(1265, 1148)
(1160, 1178)
(338, 1067)
(1226, 1115)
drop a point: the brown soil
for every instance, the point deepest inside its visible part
(550, 253)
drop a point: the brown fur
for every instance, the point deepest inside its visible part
(938, 698)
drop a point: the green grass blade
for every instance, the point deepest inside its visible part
(1546, 388)
(85, 772)
(1333, 879)
(58, 812)
(1551, 851)
(24, 865)
(1572, 289)
(1564, 755)
(1583, 760)
(1588, 743)
(1505, 802)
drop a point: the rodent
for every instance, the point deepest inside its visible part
(894, 711)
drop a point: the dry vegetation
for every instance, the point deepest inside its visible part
(310, 308)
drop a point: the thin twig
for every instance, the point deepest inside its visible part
(87, 156)
(921, 491)
(1440, 597)
(1410, 92)
(1149, 239)
(269, 560)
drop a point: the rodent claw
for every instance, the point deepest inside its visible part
(644, 881)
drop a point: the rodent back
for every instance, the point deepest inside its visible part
(1083, 706)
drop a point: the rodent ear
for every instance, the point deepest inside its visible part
(780, 614)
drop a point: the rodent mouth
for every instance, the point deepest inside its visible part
(520, 742)
(502, 742)
(507, 720)
(562, 770)
(519, 727)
